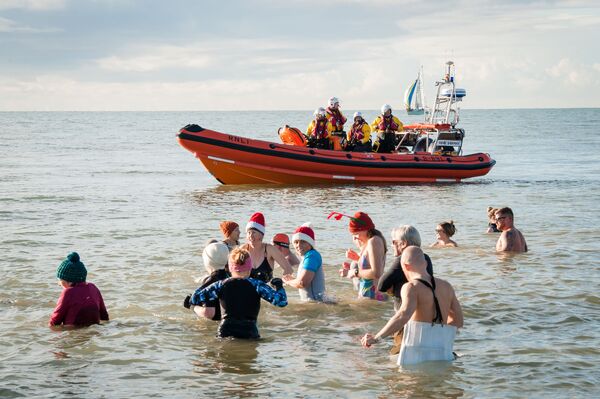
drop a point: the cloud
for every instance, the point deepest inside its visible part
(33, 5)
(572, 73)
(7, 26)
(164, 57)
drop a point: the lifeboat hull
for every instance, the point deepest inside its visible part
(235, 159)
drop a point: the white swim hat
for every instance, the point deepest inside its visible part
(215, 256)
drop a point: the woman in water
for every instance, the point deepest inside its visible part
(371, 259)
(444, 231)
(264, 256)
(239, 297)
(492, 228)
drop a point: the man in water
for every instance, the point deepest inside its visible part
(430, 314)
(511, 239)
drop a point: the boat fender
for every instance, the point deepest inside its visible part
(292, 136)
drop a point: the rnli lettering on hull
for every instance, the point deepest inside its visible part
(237, 139)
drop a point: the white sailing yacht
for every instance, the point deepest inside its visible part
(414, 97)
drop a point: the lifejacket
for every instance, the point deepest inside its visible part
(320, 131)
(356, 132)
(387, 123)
(336, 118)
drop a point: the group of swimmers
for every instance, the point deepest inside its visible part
(428, 312)
(329, 122)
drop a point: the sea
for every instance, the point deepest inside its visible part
(117, 188)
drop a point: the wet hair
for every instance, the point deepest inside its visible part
(407, 233)
(505, 211)
(239, 256)
(448, 228)
(375, 232)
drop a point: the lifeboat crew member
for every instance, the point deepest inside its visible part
(386, 125)
(319, 130)
(358, 138)
(239, 297)
(335, 116)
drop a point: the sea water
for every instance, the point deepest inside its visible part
(117, 188)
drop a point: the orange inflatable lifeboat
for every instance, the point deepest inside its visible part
(292, 136)
(235, 159)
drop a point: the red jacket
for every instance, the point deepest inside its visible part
(80, 305)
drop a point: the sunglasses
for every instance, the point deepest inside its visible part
(282, 244)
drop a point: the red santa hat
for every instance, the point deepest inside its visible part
(304, 233)
(257, 222)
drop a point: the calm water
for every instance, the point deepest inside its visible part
(117, 188)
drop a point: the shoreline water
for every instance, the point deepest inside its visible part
(117, 188)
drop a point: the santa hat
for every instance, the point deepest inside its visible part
(304, 233)
(257, 222)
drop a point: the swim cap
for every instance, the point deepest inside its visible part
(215, 256)
(282, 240)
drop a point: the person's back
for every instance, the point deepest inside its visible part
(80, 305)
(239, 299)
(429, 334)
(80, 302)
(426, 310)
(430, 314)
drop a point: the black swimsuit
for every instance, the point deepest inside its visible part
(264, 271)
(494, 227)
(438, 312)
(240, 305)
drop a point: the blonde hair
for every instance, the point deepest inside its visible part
(448, 228)
(491, 211)
(239, 256)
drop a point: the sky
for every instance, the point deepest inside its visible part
(182, 55)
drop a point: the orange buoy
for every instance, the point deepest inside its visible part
(292, 136)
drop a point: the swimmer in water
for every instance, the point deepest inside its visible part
(444, 231)
(239, 297)
(511, 239)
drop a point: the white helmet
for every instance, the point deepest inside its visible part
(385, 107)
(333, 101)
(320, 112)
(357, 113)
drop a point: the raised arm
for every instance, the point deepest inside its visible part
(204, 295)
(303, 280)
(276, 297)
(279, 259)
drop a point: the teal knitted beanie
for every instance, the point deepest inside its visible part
(72, 269)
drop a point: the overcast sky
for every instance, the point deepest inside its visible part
(293, 54)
